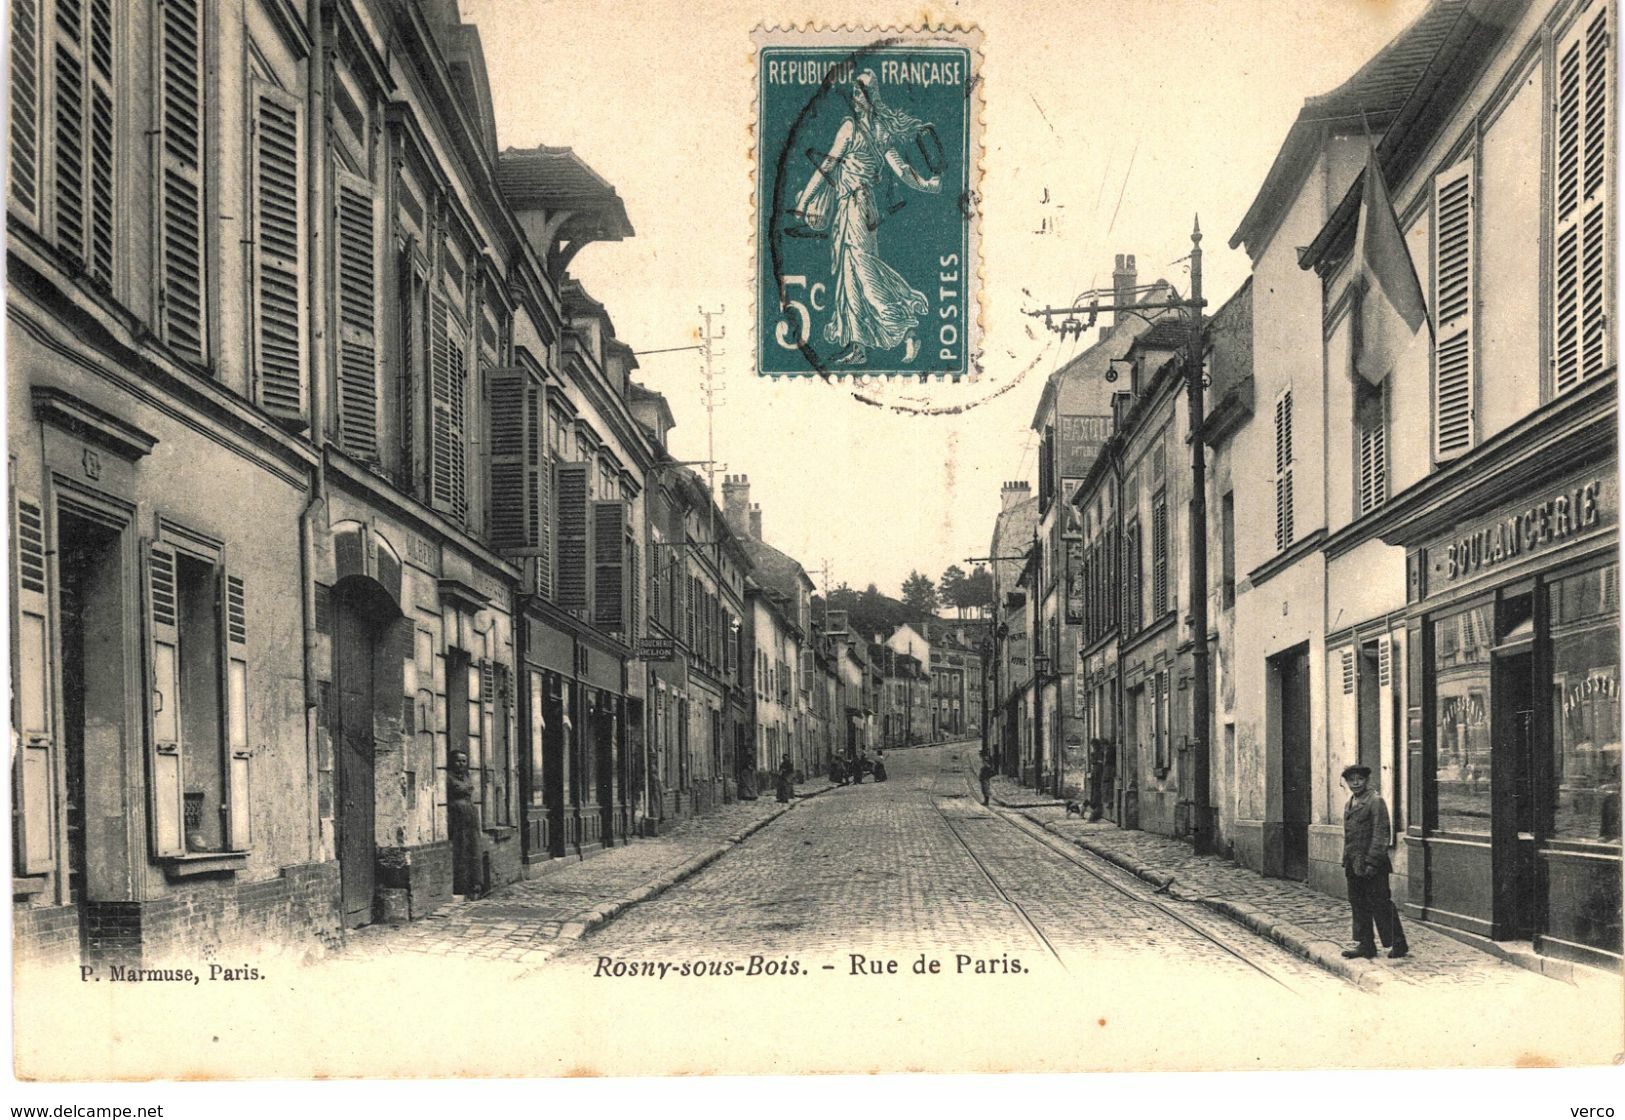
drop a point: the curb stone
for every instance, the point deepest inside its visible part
(601, 915)
(1317, 950)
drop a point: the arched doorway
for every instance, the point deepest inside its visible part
(362, 614)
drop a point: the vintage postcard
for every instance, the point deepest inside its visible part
(562, 539)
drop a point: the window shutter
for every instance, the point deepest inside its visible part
(34, 709)
(356, 272)
(99, 251)
(165, 794)
(1283, 472)
(634, 589)
(1583, 141)
(1453, 311)
(510, 504)
(180, 177)
(1159, 556)
(1135, 605)
(448, 379)
(539, 474)
(570, 488)
(609, 566)
(68, 127)
(25, 94)
(278, 269)
(234, 656)
(1373, 480)
(519, 473)
(693, 590)
(1123, 595)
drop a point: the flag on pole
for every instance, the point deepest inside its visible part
(1392, 309)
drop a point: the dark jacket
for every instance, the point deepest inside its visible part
(1365, 834)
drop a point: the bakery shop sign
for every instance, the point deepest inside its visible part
(1576, 509)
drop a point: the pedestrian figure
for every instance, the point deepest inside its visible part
(1366, 867)
(786, 782)
(467, 870)
(985, 776)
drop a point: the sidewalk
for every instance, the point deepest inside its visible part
(1293, 915)
(529, 921)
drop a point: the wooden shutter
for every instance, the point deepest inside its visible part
(68, 125)
(538, 491)
(1583, 140)
(1159, 555)
(634, 589)
(609, 566)
(570, 488)
(1453, 311)
(1138, 580)
(99, 158)
(234, 659)
(165, 789)
(519, 473)
(356, 272)
(34, 707)
(1373, 451)
(510, 504)
(448, 378)
(1283, 472)
(278, 248)
(25, 105)
(180, 182)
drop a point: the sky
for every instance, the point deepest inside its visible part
(1107, 128)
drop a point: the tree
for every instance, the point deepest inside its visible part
(977, 592)
(919, 594)
(952, 588)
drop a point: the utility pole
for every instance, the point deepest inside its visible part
(1202, 834)
(711, 387)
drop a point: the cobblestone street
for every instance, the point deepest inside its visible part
(918, 865)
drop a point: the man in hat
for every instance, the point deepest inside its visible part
(1366, 866)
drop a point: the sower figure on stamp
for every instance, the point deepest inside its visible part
(1366, 867)
(872, 305)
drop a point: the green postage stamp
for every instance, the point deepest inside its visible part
(867, 162)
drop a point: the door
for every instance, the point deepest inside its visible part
(353, 735)
(1292, 670)
(90, 574)
(1512, 768)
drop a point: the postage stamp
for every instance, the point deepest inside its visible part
(868, 152)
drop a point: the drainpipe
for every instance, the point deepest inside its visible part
(315, 192)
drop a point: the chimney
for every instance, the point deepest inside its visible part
(755, 522)
(1124, 279)
(736, 503)
(1013, 493)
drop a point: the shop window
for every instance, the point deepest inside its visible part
(1461, 720)
(1584, 623)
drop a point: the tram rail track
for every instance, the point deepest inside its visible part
(1079, 860)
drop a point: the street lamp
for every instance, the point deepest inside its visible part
(1201, 699)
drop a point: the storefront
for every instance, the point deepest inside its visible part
(1514, 728)
(580, 773)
